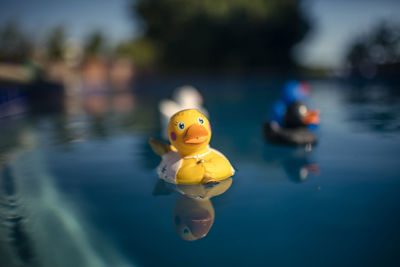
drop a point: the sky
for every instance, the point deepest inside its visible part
(335, 22)
(81, 17)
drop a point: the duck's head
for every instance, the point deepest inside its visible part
(194, 214)
(189, 131)
(295, 91)
(298, 115)
(193, 218)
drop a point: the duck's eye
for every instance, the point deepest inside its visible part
(303, 110)
(181, 125)
(201, 120)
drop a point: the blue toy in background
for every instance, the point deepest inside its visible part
(293, 91)
(290, 120)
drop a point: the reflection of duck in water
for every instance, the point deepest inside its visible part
(298, 169)
(185, 97)
(190, 160)
(291, 121)
(296, 162)
(194, 214)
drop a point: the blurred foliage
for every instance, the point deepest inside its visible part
(142, 52)
(95, 44)
(55, 43)
(377, 52)
(233, 34)
(15, 45)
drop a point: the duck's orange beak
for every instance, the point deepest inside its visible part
(196, 134)
(312, 117)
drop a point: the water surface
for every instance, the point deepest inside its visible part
(82, 190)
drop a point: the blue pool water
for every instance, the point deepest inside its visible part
(82, 190)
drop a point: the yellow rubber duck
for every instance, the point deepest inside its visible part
(190, 160)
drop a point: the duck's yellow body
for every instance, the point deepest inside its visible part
(190, 160)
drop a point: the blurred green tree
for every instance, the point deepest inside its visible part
(95, 44)
(377, 52)
(233, 34)
(56, 43)
(141, 51)
(15, 46)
